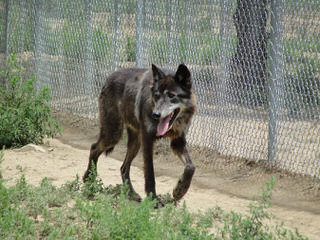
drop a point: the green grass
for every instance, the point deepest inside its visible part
(67, 212)
(301, 76)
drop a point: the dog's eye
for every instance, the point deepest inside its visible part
(170, 95)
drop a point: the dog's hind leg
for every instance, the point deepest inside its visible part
(95, 151)
(133, 147)
(178, 146)
(110, 134)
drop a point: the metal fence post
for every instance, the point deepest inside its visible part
(276, 69)
(7, 30)
(5, 47)
(224, 58)
(89, 51)
(6, 24)
(36, 6)
(117, 34)
(62, 56)
(173, 16)
(139, 30)
(23, 22)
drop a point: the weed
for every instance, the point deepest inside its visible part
(253, 226)
(93, 185)
(1, 159)
(109, 214)
(25, 114)
(14, 224)
(167, 199)
(74, 185)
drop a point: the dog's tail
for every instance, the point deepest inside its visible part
(109, 151)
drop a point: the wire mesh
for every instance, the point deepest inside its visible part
(255, 64)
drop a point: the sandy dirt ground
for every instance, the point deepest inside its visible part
(296, 200)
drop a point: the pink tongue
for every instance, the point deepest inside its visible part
(163, 126)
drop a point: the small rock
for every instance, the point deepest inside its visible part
(31, 147)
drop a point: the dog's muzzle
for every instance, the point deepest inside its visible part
(166, 122)
(156, 115)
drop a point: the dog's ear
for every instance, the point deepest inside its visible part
(183, 76)
(157, 73)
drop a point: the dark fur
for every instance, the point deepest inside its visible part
(128, 100)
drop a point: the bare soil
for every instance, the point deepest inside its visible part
(224, 181)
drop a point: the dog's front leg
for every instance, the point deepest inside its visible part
(178, 146)
(150, 184)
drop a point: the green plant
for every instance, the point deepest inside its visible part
(131, 49)
(236, 226)
(22, 34)
(101, 44)
(1, 159)
(29, 212)
(160, 49)
(14, 224)
(183, 48)
(49, 212)
(303, 87)
(25, 114)
(93, 185)
(74, 40)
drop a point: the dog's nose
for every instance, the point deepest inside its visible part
(156, 115)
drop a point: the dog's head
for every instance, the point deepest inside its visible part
(170, 94)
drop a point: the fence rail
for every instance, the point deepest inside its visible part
(255, 63)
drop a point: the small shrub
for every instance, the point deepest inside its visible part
(25, 114)
(14, 224)
(93, 185)
(236, 226)
(49, 212)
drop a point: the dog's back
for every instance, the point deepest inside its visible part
(118, 95)
(121, 80)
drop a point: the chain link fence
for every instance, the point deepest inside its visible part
(255, 64)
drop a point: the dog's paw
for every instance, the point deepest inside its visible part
(159, 203)
(184, 183)
(135, 196)
(85, 177)
(180, 190)
(89, 176)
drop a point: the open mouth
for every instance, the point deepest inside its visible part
(166, 123)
